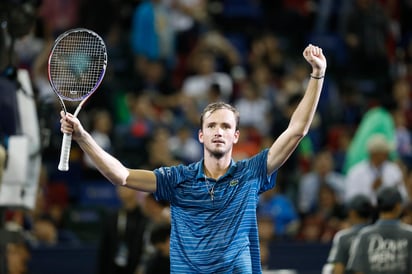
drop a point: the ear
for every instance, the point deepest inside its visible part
(237, 134)
(200, 136)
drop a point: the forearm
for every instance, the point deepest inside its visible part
(109, 166)
(303, 115)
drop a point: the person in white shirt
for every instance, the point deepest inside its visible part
(369, 175)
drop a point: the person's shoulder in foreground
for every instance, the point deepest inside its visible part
(385, 246)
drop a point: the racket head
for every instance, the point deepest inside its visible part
(77, 64)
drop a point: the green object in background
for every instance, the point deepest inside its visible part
(122, 114)
(376, 120)
(306, 147)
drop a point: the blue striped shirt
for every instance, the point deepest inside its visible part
(218, 235)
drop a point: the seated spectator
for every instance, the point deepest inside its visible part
(321, 225)
(322, 173)
(254, 107)
(368, 176)
(101, 131)
(121, 243)
(377, 120)
(46, 233)
(159, 262)
(279, 208)
(266, 236)
(184, 146)
(17, 257)
(158, 214)
(197, 85)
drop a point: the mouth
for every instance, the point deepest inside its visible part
(218, 142)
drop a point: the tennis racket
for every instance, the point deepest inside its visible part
(76, 67)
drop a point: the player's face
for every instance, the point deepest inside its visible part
(219, 132)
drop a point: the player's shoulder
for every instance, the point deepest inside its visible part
(253, 160)
(406, 227)
(189, 171)
(345, 233)
(180, 170)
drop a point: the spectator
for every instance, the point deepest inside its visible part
(266, 50)
(310, 183)
(197, 85)
(131, 138)
(45, 232)
(159, 150)
(266, 236)
(158, 214)
(276, 206)
(378, 119)
(152, 34)
(322, 225)
(101, 130)
(256, 108)
(121, 244)
(368, 176)
(18, 256)
(366, 33)
(385, 246)
(226, 55)
(189, 19)
(159, 263)
(58, 16)
(184, 147)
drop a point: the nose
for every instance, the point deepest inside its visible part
(218, 131)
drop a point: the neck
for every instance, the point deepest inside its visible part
(388, 216)
(215, 168)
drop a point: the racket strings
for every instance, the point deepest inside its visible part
(77, 64)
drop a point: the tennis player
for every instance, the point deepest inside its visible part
(213, 201)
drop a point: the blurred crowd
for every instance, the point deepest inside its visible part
(169, 58)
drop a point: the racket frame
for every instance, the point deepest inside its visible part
(67, 138)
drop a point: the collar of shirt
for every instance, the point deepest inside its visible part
(201, 173)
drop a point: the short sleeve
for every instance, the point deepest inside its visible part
(258, 166)
(166, 180)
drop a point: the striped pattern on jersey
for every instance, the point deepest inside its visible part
(217, 235)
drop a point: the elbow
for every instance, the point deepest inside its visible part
(299, 131)
(118, 178)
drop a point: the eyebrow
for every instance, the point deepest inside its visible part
(216, 123)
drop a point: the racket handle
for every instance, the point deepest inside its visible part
(65, 152)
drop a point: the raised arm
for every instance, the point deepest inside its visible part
(302, 117)
(108, 165)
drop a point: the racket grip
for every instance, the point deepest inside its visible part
(65, 152)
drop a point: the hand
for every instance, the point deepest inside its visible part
(71, 125)
(316, 59)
